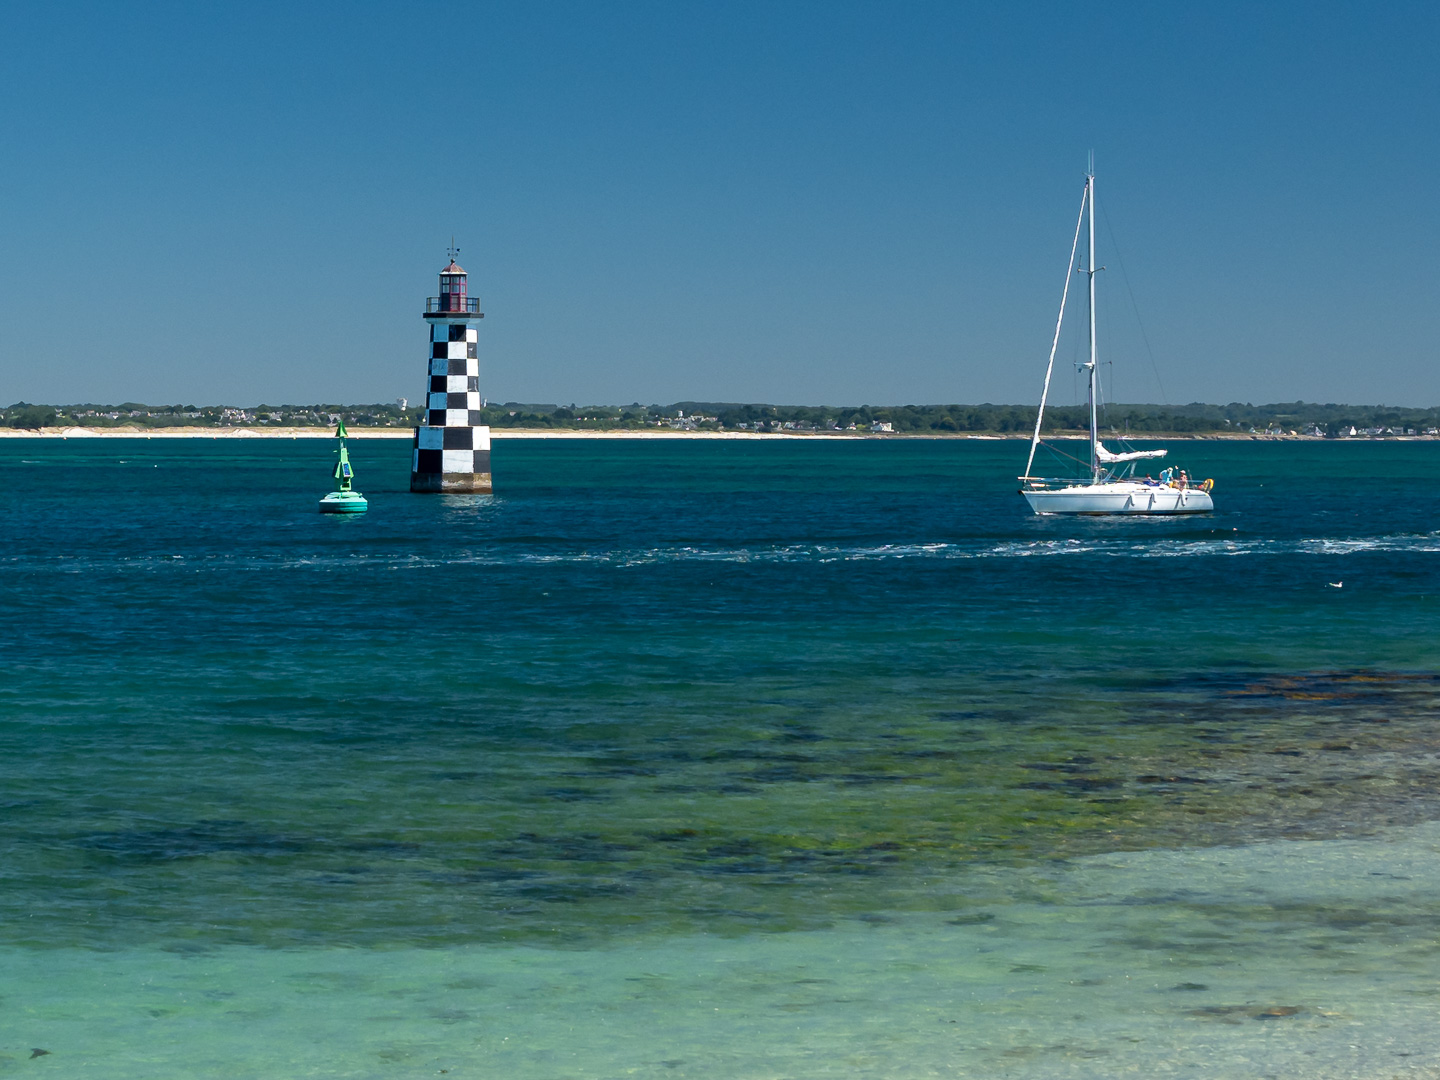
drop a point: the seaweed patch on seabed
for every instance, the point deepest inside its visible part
(189, 842)
(1382, 690)
(1309, 754)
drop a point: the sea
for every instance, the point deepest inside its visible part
(716, 759)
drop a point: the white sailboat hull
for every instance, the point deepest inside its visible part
(1118, 497)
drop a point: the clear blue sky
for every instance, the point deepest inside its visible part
(790, 202)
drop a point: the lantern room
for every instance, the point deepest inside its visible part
(452, 288)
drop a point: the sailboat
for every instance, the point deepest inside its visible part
(1111, 486)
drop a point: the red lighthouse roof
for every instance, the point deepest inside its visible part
(453, 268)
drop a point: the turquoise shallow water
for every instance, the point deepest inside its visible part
(714, 759)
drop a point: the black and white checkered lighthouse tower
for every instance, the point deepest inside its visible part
(452, 447)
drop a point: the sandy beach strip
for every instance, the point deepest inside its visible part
(401, 433)
(571, 433)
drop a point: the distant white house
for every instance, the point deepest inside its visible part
(882, 425)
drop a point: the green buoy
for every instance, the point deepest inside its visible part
(342, 500)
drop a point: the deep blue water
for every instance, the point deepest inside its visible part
(666, 688)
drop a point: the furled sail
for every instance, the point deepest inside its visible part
(1108, 458)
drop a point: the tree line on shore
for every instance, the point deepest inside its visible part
(1198, 418)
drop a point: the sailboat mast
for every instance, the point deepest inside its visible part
(1094, 359)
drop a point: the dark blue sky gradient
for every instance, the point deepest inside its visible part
(780, 202)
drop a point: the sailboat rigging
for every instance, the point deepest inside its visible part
(1111, 486)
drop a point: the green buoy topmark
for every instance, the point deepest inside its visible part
(342, 500)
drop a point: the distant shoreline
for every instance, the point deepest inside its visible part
(579, 433)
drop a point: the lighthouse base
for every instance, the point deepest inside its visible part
(452, 483)
(451, 460)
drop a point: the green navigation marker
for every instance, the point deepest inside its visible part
(343, 500)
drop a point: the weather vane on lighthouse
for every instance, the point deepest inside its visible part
(452, 447)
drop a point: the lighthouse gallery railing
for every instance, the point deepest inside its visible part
(436, 305)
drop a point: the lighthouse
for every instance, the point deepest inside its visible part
(452, 448)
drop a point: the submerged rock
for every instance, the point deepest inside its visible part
(1276, 1011)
